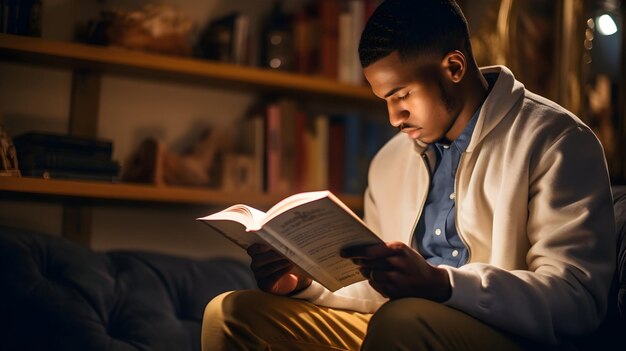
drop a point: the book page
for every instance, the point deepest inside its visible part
(235, 232)
(248, 216)
(235, 223)
(294, 201)
(312, 236)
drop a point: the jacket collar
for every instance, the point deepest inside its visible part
(504, 95)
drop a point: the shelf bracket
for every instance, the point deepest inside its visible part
(77, 222)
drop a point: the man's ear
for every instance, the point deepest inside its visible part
(454, 65)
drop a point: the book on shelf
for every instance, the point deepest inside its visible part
(316, 151)
(226, 39)
(69, 175)
(337, 161)
(309, 228)
(345, 47)
(282, 146)
(355, 170)
(66, 161)
(351, 24)
(307, 37)
(301, 153)
(251, 145)
(273, 148)
(329, 33)
(42, 142)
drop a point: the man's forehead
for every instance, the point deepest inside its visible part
(392, 71)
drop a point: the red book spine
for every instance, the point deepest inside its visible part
(273, 148)
(301, 151)
(336, 155)
(329, 28)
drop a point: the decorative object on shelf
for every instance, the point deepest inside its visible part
(277, 41)
(239, 173)
(200, 165)
(8, 156)
(154, 28)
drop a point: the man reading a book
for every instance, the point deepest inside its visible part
(494, 204)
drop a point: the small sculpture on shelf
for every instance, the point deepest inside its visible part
(200, 165)
(157, 28)
(8, 155)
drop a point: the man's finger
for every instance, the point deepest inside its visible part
(266, 283)
(372, 251)
(256, 249)
(264, 270)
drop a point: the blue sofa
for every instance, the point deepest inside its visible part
(58, 295)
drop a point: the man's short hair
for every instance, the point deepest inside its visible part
(414, 27)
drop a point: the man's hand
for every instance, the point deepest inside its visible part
(274, 273)
(396, 271)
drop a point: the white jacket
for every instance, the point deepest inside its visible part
(533, 206)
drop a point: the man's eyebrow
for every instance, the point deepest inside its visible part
(392, 91)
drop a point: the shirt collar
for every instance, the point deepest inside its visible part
(464, 139)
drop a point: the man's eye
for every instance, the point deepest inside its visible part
(403, 97)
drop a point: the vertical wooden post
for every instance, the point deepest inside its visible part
(77, 222)
(570, 79)
(83, 122)
(85, 104)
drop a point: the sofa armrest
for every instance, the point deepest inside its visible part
(619, 200)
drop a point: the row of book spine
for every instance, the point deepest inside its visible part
(324, 39)
(327, 38)
(287, 150)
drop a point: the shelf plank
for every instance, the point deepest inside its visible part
(187, 70)
(146, 193)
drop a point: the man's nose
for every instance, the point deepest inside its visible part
(397, 115)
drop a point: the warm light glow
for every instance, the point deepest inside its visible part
(606, 25)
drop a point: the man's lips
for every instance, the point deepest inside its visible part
(412, 132)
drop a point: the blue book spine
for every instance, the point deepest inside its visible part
(353, 171)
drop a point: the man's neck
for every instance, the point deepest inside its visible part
(475, 90)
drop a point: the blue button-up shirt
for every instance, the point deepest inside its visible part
(436, 237)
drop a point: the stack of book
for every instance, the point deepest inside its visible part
(321, 38)
(62, 156)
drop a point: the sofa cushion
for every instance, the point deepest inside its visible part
(610, 334)
(58, 295)
(619, 200)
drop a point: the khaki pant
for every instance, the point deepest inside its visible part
(253, 320)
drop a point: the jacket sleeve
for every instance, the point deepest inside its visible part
(570, 228)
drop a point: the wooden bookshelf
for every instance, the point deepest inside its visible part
(143, 65)
(95, 190)
(88, 63)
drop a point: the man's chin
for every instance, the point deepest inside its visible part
(422, 139)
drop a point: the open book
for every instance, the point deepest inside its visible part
(308, 228)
